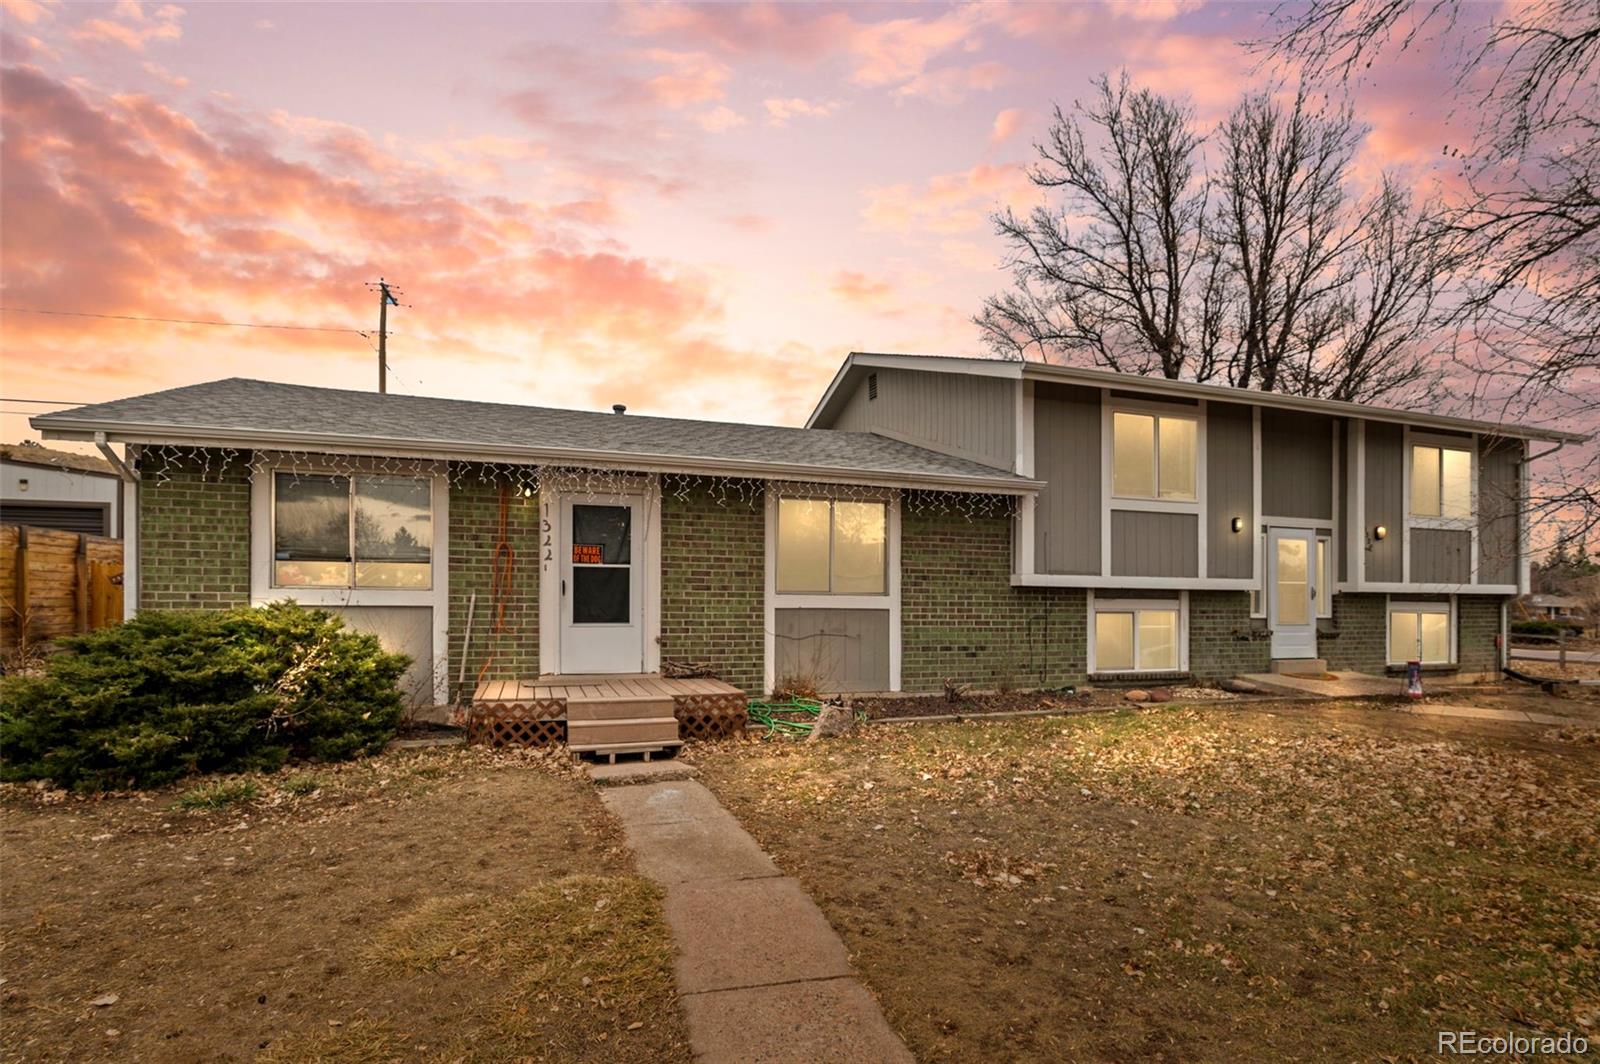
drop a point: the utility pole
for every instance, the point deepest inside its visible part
(386, 299)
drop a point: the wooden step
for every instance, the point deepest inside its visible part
(627, 730)
(611, 750)
(618, 708)
(1299, 666)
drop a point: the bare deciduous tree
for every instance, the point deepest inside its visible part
(1264, 274)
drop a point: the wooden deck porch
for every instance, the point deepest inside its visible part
(606, 714)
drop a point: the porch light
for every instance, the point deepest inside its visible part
(1238, 524)
(1381, 532)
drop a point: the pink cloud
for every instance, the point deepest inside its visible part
(779, 111)
(952, 84)
(691, 77)
(1006, 124)
(948, 204)
(130, 26)
(720, 119)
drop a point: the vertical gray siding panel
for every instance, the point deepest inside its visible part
(1146, 543)
(1229, 475)
(1066, 456)
(842, 650)
(1385, 500)
(1347, 508)
(1499, 504)
(1441, 556)
(1296, 464)
(965, 415)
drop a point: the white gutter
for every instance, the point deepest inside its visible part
(255, 439)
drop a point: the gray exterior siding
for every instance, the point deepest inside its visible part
(1066, 456)
(1296, 464)
(1347, 517)
(1385, 500)
(841, 650)
(967, 416)
(1441, 556)
(1499, 503)
(1230, 472)
(1146, 543)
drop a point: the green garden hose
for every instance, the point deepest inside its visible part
(775, 716)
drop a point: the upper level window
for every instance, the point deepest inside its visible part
(1441, 481)
(1153, 456)
(832, 547)
(361, 531)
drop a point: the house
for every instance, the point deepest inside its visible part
(47, 488)
(1551, 608)
(993, 523)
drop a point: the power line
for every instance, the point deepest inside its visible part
(179, 321)
(44, 402)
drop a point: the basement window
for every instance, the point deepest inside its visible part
(362, 531)
(1419, 631)
(1136, 636)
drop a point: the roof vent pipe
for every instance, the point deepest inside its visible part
(618, 408)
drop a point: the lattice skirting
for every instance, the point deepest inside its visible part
(719, 716)
(538, 723)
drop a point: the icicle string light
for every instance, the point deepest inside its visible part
(163, 463)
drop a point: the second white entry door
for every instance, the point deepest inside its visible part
(602, 624)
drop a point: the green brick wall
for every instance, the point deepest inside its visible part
(961, 619)
(194, 533)
(713, 577)
(1358, 640)
(512, 651)
(1223, 640)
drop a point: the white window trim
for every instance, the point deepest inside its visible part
(1134, 605)
(1327, 575)
(834, 596)
(1409, 439)
(1196, 414)
(436, 597)
(1110, 405)
(1394, 605)
(888, 602)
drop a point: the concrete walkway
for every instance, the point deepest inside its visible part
(763, 976)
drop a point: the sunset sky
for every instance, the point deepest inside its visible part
(692, 210)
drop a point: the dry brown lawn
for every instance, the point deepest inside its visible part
(426, 906)
(1208, 884)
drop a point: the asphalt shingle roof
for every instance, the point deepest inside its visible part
(239, 405)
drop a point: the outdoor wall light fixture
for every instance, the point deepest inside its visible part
(1381, 532)
(1238, 524)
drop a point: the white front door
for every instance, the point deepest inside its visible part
(1292, 592)
(602, 623)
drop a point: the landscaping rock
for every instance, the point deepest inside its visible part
(834, 720)
(1240, 687)
(1161, 694)
(1137, 695)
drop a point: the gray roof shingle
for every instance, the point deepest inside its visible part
(240, 407)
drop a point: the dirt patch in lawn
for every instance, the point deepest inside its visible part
(441, 904)
(1196, 884)
(1080, 700)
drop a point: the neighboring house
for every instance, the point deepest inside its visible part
(1551, 608)
(991, 523)
(48, 488)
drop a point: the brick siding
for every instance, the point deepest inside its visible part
(1223, 640)
(194, 533)
(713, 576)
(1358, 640)
(512, 652)
(961, 619)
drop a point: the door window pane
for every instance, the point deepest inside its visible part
(1435, 638)
(1403, 636)
(1133, 447)
(1293, 595)
(311, 531)
(1455, 483)
(1158, 639)
(860, 536)
(600, 595)
(1324, 579)
(1177, 458)
(1425, 481)
(803, 545)
(609, 528)
(1113, 642)
(394, 532)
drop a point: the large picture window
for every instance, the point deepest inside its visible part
(1419, 632)
(1441, 481)
(1153, 456)
(832, 547)
(1137, 637)
(361, 531)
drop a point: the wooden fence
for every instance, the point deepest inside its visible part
(56, 583)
